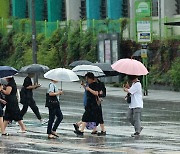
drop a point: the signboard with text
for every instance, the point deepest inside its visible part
(143, 20)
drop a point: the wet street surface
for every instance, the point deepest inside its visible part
(161, 133)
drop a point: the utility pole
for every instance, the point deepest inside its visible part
(34, 45)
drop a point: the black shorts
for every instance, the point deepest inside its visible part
(11, 115)
(100, 116)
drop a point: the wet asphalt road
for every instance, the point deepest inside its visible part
(160, 135)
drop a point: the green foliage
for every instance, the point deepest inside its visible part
(174, 73)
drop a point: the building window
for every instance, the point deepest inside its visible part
(103, 9)
(125, 12)
(83, 9)
(63, 10)
(10, 8)
(155, 8)
(27, 10)
(177, 6)
(45, 11)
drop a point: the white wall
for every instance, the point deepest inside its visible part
(73, 9)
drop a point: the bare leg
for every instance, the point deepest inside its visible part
(2, 125)
(79, 123)
(83, 126)
(5, 124)
(102, 127)
(94, 130)
(21, 124)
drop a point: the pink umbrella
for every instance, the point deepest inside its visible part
(130, 67)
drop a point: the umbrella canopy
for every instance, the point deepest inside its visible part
(107, 69)
(6, 71)
(3, 82)
(138, 53)
(130, 67)
(34, 68)
(82, 70)
(61, 74)
(80, 62)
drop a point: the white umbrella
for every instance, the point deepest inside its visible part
(82, 70)
(61, 74)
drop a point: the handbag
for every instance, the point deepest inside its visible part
(128, 98)
(51, 101)
(99, 100)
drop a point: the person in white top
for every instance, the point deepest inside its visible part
(136, 105)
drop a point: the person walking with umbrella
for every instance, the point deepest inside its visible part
(52, 97)
(28, 100)
(12, 111)
(2, 104)
(136, 104)
(91, 108)
(133, 69)
(54, 109)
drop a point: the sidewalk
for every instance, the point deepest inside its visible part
(153, 95)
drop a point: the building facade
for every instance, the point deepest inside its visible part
(53, 10)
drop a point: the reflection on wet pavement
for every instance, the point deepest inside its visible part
(160, 134)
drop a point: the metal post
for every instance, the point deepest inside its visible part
(45, 28)
(80, 26)
(93, 27)
(160, 24)
(165, 28)
(57, 24)
(2, 22)
(34, 45)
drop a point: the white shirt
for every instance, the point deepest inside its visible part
(53, 88)
(136, 96)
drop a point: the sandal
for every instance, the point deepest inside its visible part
(22, 131)
(55, 134)
(51, 137)
(5, 134)
(76, 127)
(94, 132)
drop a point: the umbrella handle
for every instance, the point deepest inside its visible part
(61, 85)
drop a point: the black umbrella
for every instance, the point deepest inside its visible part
(138, 53)
(80, 62)
(106, 68)
(34, 68)
(6, 71)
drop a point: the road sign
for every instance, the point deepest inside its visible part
(144, 37)
(143, 9)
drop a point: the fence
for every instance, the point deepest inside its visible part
(98, 26)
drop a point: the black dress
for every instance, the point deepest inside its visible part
(12, 111)
(91, 109)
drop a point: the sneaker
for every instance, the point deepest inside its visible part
(76, 127)
(101, 133)
(78, 132)
(135, 134)
(94, 132)
(141, 129)
(44, 121)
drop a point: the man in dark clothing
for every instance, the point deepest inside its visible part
(29, 101)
